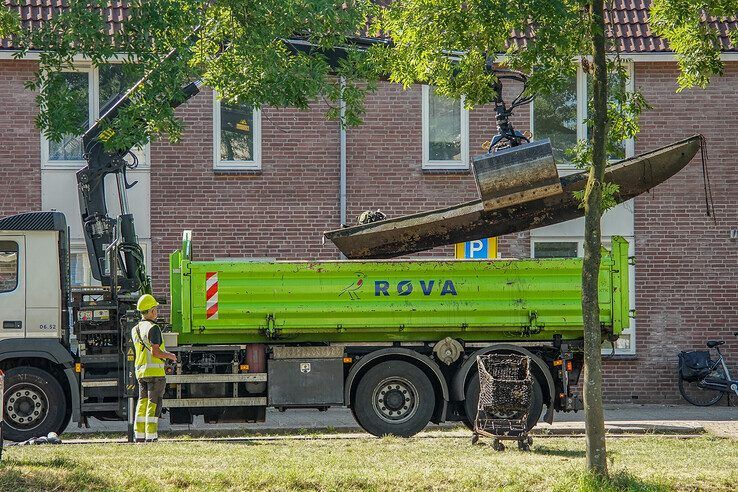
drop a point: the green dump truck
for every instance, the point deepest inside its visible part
(393, 340)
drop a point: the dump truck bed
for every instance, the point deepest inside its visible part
(214, 302)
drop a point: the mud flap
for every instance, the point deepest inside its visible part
(516, 175)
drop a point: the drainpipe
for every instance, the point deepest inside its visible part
(342, 159)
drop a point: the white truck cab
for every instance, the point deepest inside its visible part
(40, 383)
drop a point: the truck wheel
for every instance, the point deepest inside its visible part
(34, 404)
(66, 420)
(394, 398)
(471, 401)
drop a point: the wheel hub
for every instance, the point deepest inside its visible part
(25, 406)
(395, 400)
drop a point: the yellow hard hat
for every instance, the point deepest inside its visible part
(146, 302)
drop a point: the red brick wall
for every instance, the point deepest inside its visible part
(280, 211)
(384, 160)
(20, 141)
(687, 270)
(687, 273)
(687, 267)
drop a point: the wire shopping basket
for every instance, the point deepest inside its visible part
(505, 392)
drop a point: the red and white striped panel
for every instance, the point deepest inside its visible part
(211, 295)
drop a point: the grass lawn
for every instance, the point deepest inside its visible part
(442, 463)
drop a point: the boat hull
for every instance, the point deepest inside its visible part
(469, 221)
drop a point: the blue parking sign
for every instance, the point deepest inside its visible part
(477, 249)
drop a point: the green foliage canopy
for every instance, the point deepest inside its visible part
(687, 25)
(233, 46)
(238, 51)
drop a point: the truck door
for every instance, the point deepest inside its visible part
(12, 287)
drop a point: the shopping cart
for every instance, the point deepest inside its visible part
(505, 386)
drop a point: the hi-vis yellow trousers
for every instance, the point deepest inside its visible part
(148, 408)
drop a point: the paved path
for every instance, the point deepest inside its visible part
(621, 419)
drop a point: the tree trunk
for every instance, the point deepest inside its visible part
(594, 418)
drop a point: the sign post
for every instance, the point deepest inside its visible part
(479, 249)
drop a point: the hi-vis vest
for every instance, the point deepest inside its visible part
(147, 365)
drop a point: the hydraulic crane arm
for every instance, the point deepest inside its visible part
(100, 229)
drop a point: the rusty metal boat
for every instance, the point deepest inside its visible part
(469, 221)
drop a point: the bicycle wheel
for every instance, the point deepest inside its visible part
(701, 397)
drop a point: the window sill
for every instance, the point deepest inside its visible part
(56, 165)
(237, 171)
(619, 357)
(77, 165)
(446, 170)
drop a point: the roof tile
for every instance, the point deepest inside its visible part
(629, 19)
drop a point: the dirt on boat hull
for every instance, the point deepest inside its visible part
(469, 221)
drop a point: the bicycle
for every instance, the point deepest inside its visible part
(702, 381)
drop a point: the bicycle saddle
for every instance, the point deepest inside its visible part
(714, 343)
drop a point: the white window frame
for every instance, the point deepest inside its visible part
(93, 114)
(631, 330)
(221, 165)
(78, 246)
(445, 164)
(559, 239)
(46, 163)
(582, 111)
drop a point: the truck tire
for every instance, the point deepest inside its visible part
(471, 400)
(394, 398)
(34, 404)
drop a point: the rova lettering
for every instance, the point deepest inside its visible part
(407, 287)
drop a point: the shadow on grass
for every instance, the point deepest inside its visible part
(57, 462)
(616, 482)
(567, 453)
(223, 433)
(58, 474)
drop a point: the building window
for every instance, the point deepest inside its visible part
(445, 132)
(236, 136)
(556, 249)
(554, 117)
(79, 263)
(567, 247)
(561, 117)
(70, 147)
(8, 266)
(92, 88)
(79, 268)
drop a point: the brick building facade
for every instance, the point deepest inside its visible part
(686, 278)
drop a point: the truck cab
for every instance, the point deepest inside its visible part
(40, 378)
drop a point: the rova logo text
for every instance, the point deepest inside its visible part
(407, 287)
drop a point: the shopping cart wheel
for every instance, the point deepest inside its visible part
(475, 438)
(497, 445)
(523, 445)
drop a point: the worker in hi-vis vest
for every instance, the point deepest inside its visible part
(150, 355)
